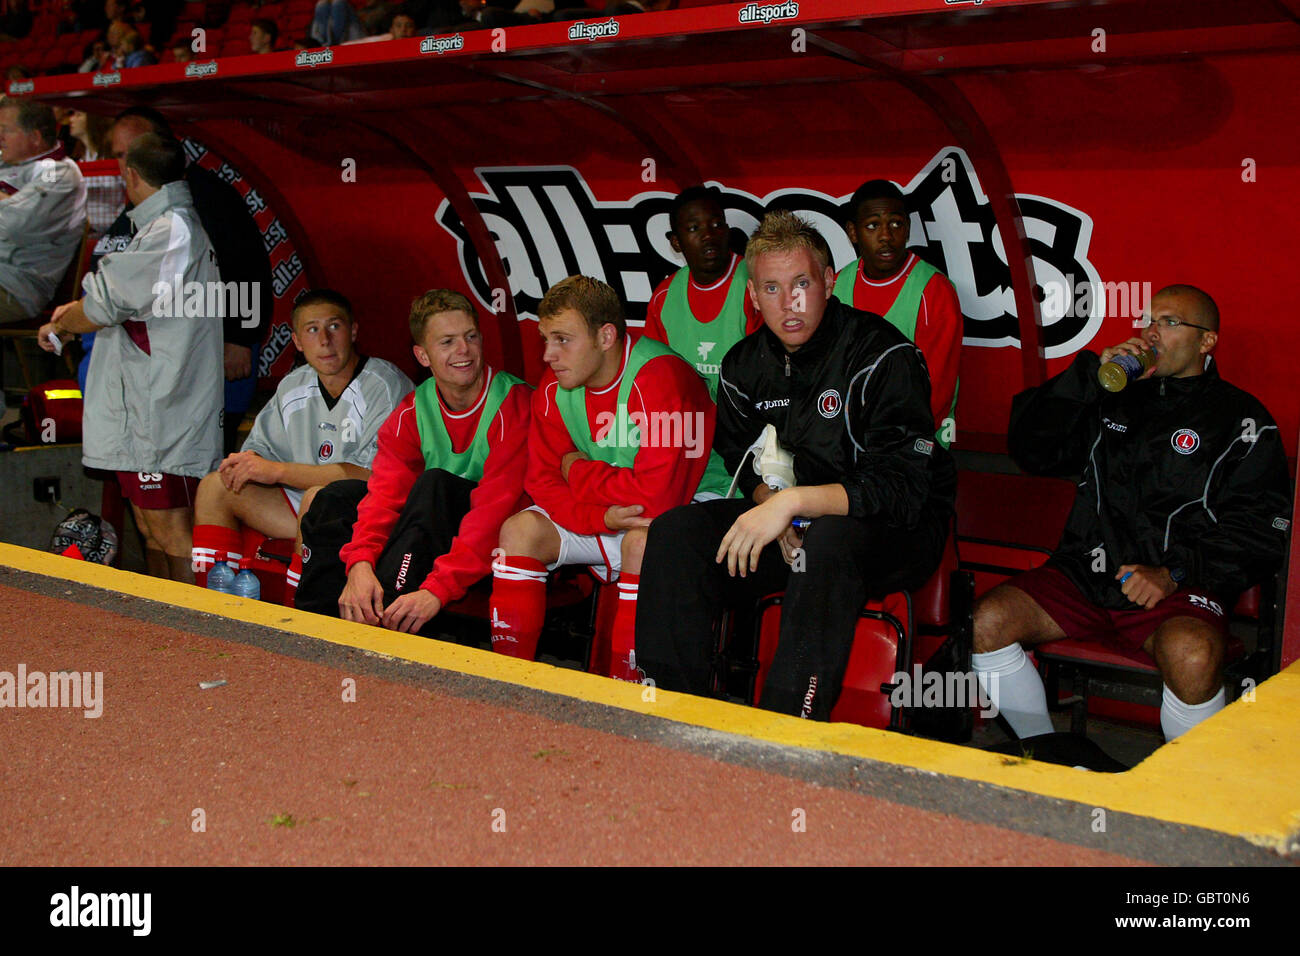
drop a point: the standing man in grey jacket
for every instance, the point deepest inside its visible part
(154, 388)
(42, 208)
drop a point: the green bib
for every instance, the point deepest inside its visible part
(704, 343)
(623, 438)
(436, 443)
(902, 314)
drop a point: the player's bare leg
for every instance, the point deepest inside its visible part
(172, 529)
(263, 508)
(531, 534)
(304, 506)
(1189, 653)
(1007, 620)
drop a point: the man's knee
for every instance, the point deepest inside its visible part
(1190, 655)
(1005, 616)
(210, 501)
(633, 550)
(171, 529)
(530, 534)
(308, 497)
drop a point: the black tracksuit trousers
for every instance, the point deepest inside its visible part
(846, 561)
(437, 504)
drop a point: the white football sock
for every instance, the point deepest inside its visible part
(1176, 717)
(1017, 691)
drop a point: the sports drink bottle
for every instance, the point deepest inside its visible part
(1124, 368)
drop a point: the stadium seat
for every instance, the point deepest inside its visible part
(882, 643)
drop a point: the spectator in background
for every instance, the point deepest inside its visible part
(97, 57)
(375, 14)
(104, 196)
(262, 35)
(90, 130)
(335, 22)
(42, 208)
(403, 27)
(182, 52)
(130, 52)
(18, 72)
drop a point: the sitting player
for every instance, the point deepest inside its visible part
(621, 433)
(849, 397)
(319, 427)
(701, 310)
(914, 296)
(449, 471)
(1184, 503)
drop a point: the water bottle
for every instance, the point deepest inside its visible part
(246, 583)
(221, 578)
(1124, 368)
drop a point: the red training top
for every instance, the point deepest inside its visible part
(400, 461)
(938, 327)
(705, 301)
(674, 400)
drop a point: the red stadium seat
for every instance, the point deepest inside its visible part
(882, 644)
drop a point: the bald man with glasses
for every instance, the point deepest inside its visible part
(1183, 502)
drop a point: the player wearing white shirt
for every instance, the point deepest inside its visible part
(322, 425)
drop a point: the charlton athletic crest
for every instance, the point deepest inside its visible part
(326, 450)
(828, 403)
(1185, 441)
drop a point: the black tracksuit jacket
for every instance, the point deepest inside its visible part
(1182, 472)
(852, 405)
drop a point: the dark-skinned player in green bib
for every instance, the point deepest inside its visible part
(912, 295)
(621, 433)
(701, 310)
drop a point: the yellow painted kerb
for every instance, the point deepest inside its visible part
(1237, 773)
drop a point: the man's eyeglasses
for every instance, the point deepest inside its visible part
(1169, 323)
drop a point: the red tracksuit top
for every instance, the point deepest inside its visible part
(938, 327)
(704, 300)
(663, 478)
(400, 461)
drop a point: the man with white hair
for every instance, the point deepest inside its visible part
(42, 208)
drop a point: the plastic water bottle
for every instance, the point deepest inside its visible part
(221, 578)
(246, 583)
(1124, 368)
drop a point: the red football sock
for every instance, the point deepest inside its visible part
(291, 578)
(213, 543)
(518, 606)
(622, 659)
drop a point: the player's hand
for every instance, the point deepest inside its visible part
(790, 541)
(762, 492)
(1147, 586)
(43, 336)
(567, 462)
(238, 361)
(362, 599)
(1134, 346)
(752, 532)
(242, 467)
(410, 612)
(625, 517)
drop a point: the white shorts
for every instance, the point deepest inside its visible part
(294, 497)
(602, 553)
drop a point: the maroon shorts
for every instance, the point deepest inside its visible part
(1080, 618)
(153, 491)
